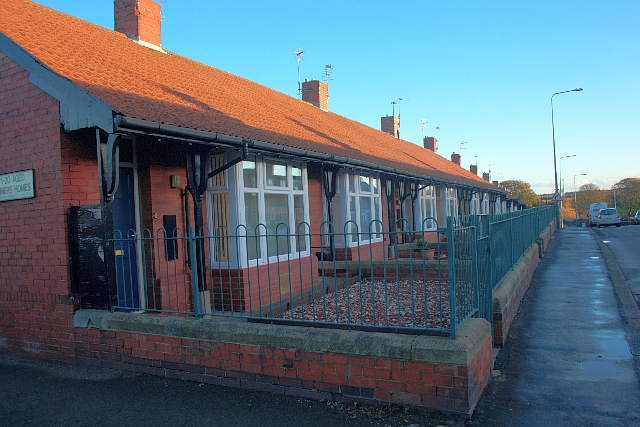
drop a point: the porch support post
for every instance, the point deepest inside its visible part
(106, 208)
(197, 184)
(389, 190)
(111, 163)
(413, 187)
(330, 177)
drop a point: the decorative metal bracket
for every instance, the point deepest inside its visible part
(110, 165)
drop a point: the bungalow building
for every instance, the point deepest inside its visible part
(107, 137)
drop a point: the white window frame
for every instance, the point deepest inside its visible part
(427, 197)
(356, 193)
(475, 204)
(485, 204)
(451, 202)
(217, 185)
(263, 189)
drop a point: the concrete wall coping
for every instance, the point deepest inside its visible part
(471, 336)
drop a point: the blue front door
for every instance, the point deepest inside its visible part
(124, 226)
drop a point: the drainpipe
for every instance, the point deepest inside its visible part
(187, 218)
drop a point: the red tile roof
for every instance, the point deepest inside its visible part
(167, 88)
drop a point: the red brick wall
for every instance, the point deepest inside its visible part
(35, 310)
(309, 374)
(263, 287)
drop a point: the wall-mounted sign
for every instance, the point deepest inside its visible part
(16, 185)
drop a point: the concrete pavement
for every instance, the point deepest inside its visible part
(567, 361)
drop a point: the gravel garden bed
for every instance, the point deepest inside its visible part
(413, 304)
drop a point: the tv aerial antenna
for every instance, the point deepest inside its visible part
(424, 125)
(462, 146)
(400, 99)
(299, 52)
(328, 74)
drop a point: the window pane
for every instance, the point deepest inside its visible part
(428, 191)
(249, 173)
(301, 231)
(451, 207)
(375, 182)
(218, 180)
(251, 218)
(366, 216)
(352, 183)
(220, 230)
(376, 208)
(276, 173)
(296, 172)
(365, 184)
(277, 222)
(352, 217)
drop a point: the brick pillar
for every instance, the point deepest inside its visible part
(317, 93)
(138, 19)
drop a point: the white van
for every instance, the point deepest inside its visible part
(594, 208)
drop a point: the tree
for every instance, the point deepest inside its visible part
(627, 193)
(522, 191)
(568, 211)
(587, 194)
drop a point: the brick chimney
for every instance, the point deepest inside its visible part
(485, 176)
(317, 93)
(390, 125)
(473, 169)
(430, 143)
(456, 158)
(495, 183)
(139, 20)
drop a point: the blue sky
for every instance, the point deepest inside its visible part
(481, 72)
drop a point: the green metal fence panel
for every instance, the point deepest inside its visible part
(423, 281)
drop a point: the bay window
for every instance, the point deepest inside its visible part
(363, 207)
(273, 192)
(427, 208)
(451, 202)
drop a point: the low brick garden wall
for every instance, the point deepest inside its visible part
(429, 372)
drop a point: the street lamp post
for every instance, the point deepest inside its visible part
(553, 139)
(560, 179)
(562, 188)
(575, 195)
